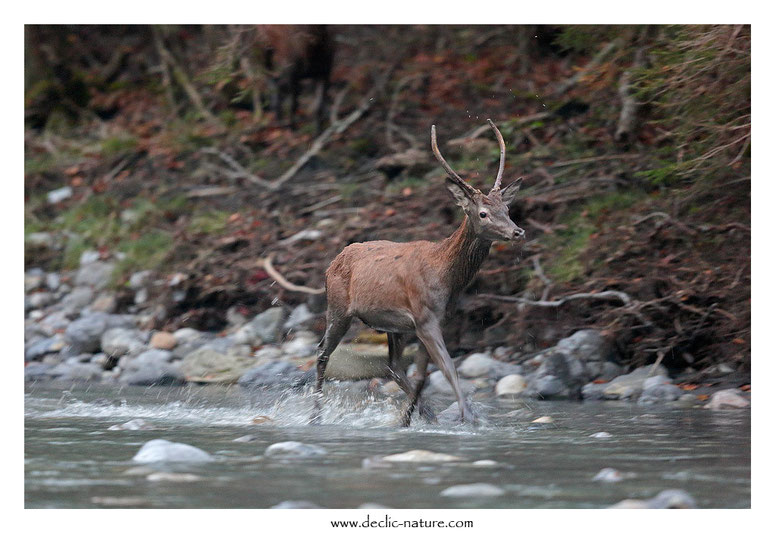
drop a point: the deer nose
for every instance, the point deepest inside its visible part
(519, 233)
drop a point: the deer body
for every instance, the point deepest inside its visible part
(409, 288)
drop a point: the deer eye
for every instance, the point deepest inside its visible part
(483, 214)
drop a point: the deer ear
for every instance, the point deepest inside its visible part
(509, 193)
(461, 195)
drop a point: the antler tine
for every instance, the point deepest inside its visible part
(450, 172)
(502, 146)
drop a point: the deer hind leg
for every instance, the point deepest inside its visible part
(336, 328)
(396, 344)
(430, 334)
(421, 361)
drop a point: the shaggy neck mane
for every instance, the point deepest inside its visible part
(463, 253)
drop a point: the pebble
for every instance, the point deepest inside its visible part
(544, 420)
(608, 474)
(133, 424)
(161, 450)
(601, 435)
(423, 456)
(294, 449)
(172, 477)
(295, 504)
(473, 491)
(510, 385)
(485, 463)
(246, 439)
(163, 340)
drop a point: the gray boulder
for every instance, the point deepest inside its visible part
(630, 386)
(726, 399)
(76, 371)
(153, 374)
(437, 383)
(38, 348)
(224, 366)
(78, 299)
(480, 365)
(560, 375)
(586, 346)
(299, 316)
(264, 328)
(473, 491)
(37, 371)
(85, 334)
(116, 342)
(96, 274)
(659, 389)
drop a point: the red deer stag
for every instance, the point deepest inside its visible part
(409, 288)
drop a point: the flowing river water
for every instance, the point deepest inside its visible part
(73, 460)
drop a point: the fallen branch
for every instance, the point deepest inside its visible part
(237, 170)
(627, 121)
(282, 282)
(624, 298)
(321, 141)
(592, 64)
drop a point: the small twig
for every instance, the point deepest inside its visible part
(238, 171)
(624, 298)
(267, 264)
(321, 204)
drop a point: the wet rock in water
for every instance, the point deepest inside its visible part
(162, 476)
(261, 419)
(485, 463)
(479, 365)
(355, 361)
(271, 374)
(214, 366)
(133, 424)
(603, 370)
(372, 506)
(96, 274)
(375, 462)
(451, 414)
(671, 498)
(608, 474)
(163, 340)
(264, 328)
(246, 439)
(116, 342)
(294, 449)
(295, 504)
(727, 399)
(544, 420)
(659, 389)
(473, 491)
(115, 502)
(601, 435)
(161, 450)
(422, 456)
(560, 375)
(630, 386)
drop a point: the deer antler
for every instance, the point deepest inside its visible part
(502, 146)
(450, 172)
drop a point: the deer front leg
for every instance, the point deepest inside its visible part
(337, 327)
(430, 334)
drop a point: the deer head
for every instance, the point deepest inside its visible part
(488, 214)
